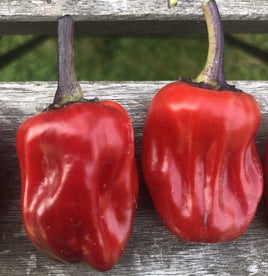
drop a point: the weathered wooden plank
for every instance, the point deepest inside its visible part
(129, 16)
(152, 250)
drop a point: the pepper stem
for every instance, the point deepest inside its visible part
(213, 73)
(68, 89)
(172, 3)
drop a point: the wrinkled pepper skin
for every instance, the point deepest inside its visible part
(79, 182)
(200, 161)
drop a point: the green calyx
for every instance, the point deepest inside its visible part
(75, 96)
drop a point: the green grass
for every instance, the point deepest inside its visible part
(139, 58)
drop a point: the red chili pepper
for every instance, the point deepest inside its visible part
(265, 170)
(199, 157)
(78, 172)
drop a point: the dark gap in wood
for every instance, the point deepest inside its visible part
(8, 57)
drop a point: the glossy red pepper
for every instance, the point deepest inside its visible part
(199, 157)
(78, 172)
(265, 170)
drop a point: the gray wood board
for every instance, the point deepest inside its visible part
(152, 250)
(129, 16)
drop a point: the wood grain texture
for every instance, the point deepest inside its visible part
(129, 16)
(152, 250)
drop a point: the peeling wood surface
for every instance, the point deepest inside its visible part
(152, 250)
(129, 16)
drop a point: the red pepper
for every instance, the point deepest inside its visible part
(78, 172)
(265, 170)
(199, 157)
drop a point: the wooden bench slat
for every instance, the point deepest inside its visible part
(152, 250)
(129, 16)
